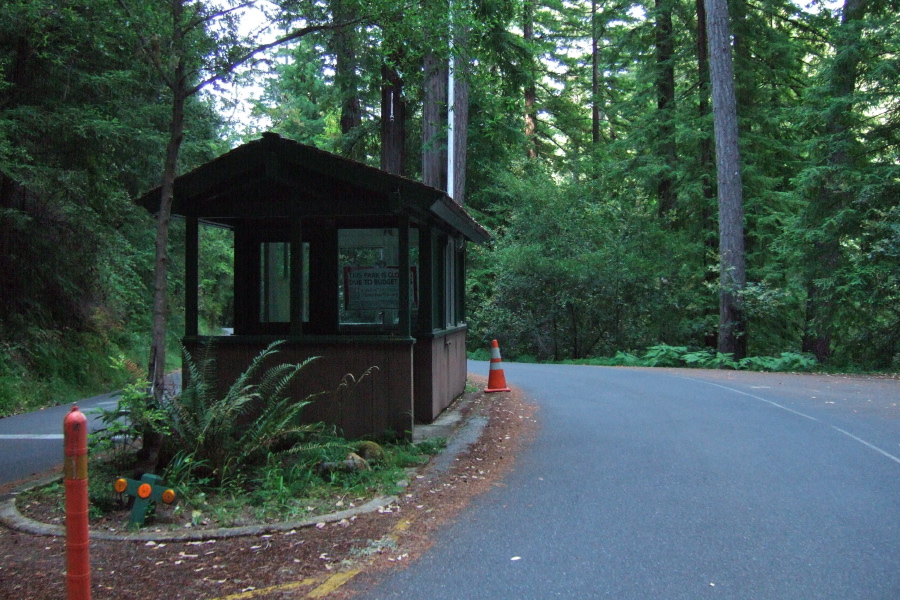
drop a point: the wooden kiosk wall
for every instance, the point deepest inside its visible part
(379, 403)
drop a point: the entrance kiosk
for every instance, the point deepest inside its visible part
(343, 261)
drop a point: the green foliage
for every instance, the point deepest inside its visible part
(281, 486)
(663, 355)
(122, 427)
(479, 354)
(431, 446)
(82, 131)
(46, 368)
(216, 280)
(575, 275)
(787, 361)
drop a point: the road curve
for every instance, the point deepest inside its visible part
(32, 443)
(683, 484)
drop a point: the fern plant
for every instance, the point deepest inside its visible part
(217, 433)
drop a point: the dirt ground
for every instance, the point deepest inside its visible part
(311, 562)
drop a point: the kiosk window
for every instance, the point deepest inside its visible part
(369, 293)
(275, 282)
(451, 284)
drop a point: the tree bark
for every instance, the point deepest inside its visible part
(460, 112)
(434, 150)
(343, 46)
(152, 441)
(530, 85)
(732, 269)
(707, 209)
(595, 78)
(393, 121)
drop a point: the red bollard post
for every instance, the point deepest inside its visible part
(78, 565)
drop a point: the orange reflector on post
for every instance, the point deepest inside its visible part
(120, 485)
(496, 378)
(168, 496)
(144, 491)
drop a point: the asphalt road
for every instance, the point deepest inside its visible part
(683, 484)
(33, 443)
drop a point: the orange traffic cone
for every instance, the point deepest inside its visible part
(496, 378)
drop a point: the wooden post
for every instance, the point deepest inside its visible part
(461, 285)
(426, 278)
(191, 275)
(297, 291)
(404, 312)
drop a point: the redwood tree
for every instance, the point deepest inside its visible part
(732, 268)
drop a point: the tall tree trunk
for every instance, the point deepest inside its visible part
(707, 209)
(706, 154)
(393, 121)
(665, 103)
(732, 270)
(343, 42)
(595, 78)
(461, 136)
(530, 84)
(824, 256)
(434, 149)
(460, 111)
(152, 440)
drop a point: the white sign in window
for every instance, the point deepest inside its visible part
(376, 288)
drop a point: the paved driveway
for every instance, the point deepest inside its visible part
(683, 484)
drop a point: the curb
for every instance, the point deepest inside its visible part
(12, 518)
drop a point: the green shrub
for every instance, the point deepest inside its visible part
(787, 361)
(479, 354)
(663, 355)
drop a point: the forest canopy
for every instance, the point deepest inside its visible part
(589, 151)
